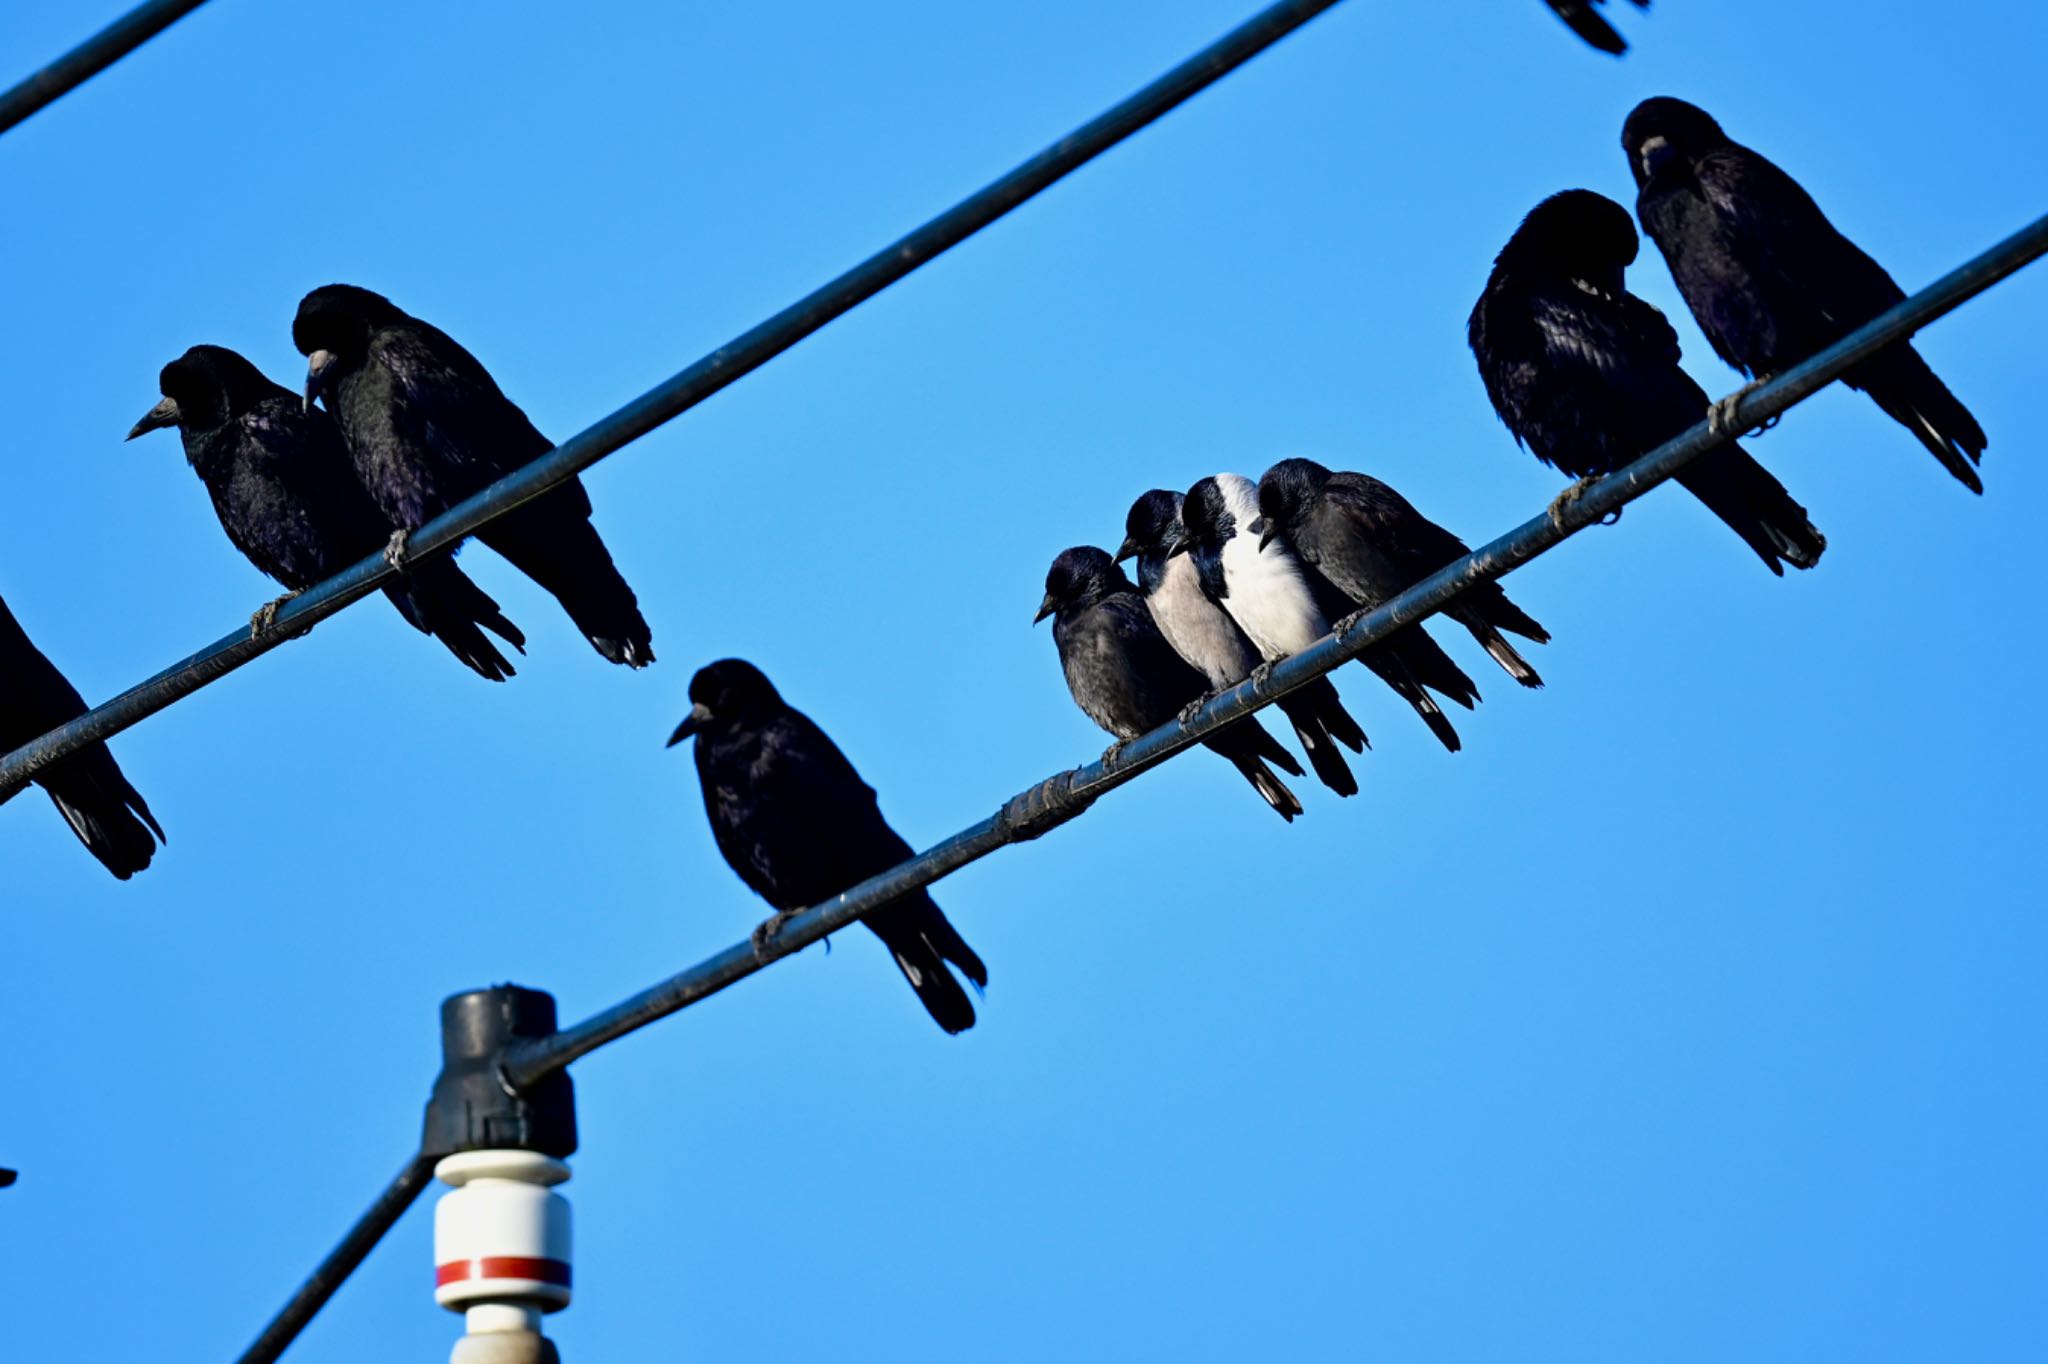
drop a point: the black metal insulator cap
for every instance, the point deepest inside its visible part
(472, 1110)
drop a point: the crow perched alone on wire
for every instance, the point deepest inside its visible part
(1771, 280)
(288, 498)
(797, 823)
(1586, 374)
(1372, 544)
(1285, 606)
(88, 789)
(427, 427)
(1126, 678)
(1587, 23)
(1203, 633)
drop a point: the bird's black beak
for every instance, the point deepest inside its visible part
(1045, 608)
(318, 365)
(1265, 527)
(694, 721)
(157, 418)
(1126, 549)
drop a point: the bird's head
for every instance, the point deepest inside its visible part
(1153, 525)
(204, 389)
(1664, 133)
(1079, 577)
(1285, 492)
(332, 330)
(726, 693)
(1576, 234)
(1205, 517)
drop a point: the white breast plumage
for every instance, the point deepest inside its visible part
(1268, 596)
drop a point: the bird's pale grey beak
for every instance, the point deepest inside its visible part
(1045, 608)
(1125, 550)
(699, 716)
(157, 418)
(1179, 547)
(1654, 153)
(1265, 527)
(318, 365)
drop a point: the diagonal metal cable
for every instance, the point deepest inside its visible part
(736, 358)
(1066, 794)
(91, 57)
(353, 1248)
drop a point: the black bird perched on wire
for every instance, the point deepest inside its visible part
(1771, 280)
(1204, 634)
(1585, 21)
(1284, 606)
(108, 815)
(288, 498)
(1586, 374)
(1372, 545)
(797, 823)
(1126, 678)
(427, 427)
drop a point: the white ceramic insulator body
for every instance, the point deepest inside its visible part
(502, 1233)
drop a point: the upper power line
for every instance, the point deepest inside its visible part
(91, 57)
(738, 357)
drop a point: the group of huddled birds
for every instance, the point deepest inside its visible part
(1232, 575)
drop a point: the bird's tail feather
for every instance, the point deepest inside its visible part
(553, 543)
(1260, 743)
(922, 940)
(1284, 802)
(1914, 396)
(440, 600)
(109, 816)
(1489, 602)
(1323, 755)
(1394, 671)
(1433, 668)
(1335, 719)
(1320, 724)
(1756, 507)
(1503, 652)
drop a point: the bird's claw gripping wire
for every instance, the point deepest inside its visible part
(1723, 421)
(1262, 676)
(264, 617)
(769, 929)
(1113, 752)
(1193, 708)
(395, 551)
(1569, 498)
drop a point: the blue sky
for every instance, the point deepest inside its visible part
(1692, 1013)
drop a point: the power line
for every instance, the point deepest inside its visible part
(350, 1251)
(1065, 795)
(91, 57)
(736, 358)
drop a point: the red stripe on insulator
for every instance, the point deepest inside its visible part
(502, 1267)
